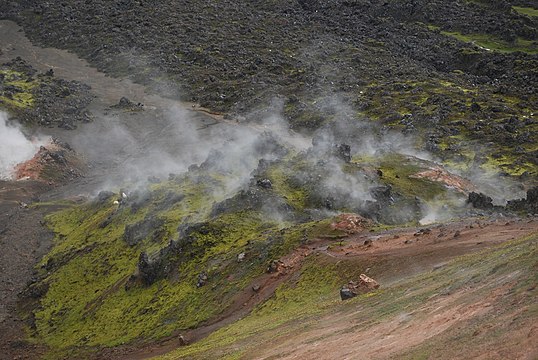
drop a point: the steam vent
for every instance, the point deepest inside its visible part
(344, 179)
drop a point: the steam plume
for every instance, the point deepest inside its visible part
(15, 147)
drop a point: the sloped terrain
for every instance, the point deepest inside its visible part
(479, 305)
(241, 161)
(182, 254)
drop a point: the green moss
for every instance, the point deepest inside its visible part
(397, 171)
(87, 304)
(493, 43)
(309, 294)
(526, 11)
(508, 164)
(279, 176)
(462, 138)
(23, 86)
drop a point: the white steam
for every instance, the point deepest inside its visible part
(126, 150)
(15, 147)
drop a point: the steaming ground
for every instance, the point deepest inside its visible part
(15, 147)
(168, 136)
(123, 148)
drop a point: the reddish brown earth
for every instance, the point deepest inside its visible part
(54, 163)
(24, 241)
(442, 317)
(388, 339)
(441, 175)
(394, 255)
(351, 223)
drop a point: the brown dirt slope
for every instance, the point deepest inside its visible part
(489, 308)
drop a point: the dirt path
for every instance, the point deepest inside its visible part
(67, 65)
(120, 144)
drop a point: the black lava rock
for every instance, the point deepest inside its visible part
(480, 201)
(346, 293)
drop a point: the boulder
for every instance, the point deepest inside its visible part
(367, 283)
(202, 279)
(104, 196)
(351, 223)
(342, 152)
(127, 104)
(148, 271)
(528, 205)
(139, 231)
(346, 293)
(264, 183)
(480, 201)
(475, 107)
(363, 286)
(276, 266)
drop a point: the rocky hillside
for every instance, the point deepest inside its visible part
(459, 74)
(190, 252)
(42, 99)
(324, 142)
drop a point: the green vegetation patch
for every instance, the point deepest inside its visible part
(87, 302)
(309, 293)
(526, 11)
(463, 127)
(397, 171)
(17, 92)
(91, 291)
(294, 195)
(490, 42)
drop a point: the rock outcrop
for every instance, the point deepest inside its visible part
(352, 289)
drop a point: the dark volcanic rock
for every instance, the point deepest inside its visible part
(137, 232)
(149, 272)
(202, 279)
(528, 205)
(264, 183)
(225, 65)
(104, 196)
(54, 102)
(480, 201)
(257, 198)
(343, 152)
(229, 56)
(346, 293)
(126, 104)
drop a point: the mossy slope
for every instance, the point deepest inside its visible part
(112, 279)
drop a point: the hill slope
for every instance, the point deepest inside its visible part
(323, 140)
